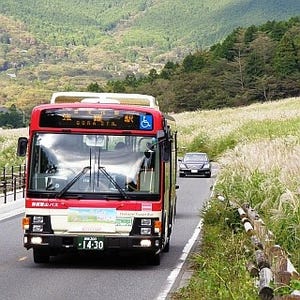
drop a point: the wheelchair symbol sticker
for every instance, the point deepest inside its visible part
(146, 122)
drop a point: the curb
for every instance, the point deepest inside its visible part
(11, 209)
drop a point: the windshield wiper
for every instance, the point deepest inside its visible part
(114, 183)
(70, 183)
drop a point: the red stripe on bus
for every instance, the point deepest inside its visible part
(65, 204)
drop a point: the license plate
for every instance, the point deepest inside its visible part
(194, 171)
(90, 243)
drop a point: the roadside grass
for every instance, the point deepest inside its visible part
(219, 266)
(257, 149)
(8, 147)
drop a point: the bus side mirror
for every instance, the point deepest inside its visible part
(22, 146)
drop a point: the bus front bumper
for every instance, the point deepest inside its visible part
(56, 244)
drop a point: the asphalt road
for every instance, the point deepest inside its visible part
(96, 277)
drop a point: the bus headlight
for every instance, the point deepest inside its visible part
(146, 222)
(37, 240)
(145, 243)
(37, 228)
(145, 230)
(37, 219)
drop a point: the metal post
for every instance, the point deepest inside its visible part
(4, 183)
(4, 190)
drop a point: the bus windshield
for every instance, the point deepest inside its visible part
(91, 165)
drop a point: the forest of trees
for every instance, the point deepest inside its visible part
(167, 23)
(12, 118)
(258, 63)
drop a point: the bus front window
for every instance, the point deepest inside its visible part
(111, 163)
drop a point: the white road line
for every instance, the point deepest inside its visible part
(185, 252)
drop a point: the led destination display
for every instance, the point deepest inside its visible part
(93, 118)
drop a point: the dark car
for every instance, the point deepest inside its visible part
(195, 163)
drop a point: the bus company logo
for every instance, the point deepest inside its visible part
(44, 204)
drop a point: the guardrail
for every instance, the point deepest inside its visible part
(12, 182)
(270, 263)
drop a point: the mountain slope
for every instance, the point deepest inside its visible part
(55, 45)
(166, 24)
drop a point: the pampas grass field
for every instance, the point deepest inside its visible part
(8, 146)
(257, 149)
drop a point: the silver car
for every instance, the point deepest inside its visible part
(195, 163)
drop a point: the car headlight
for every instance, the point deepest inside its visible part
(182, 166)
(206, 166)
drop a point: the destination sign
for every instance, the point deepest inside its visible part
(93, 118)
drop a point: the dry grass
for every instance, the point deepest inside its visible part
(8, 146)
(262, 166)
(268, 142)
(10, 136)
(258, 152)
(218, 123)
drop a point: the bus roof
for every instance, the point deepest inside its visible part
(105, 98)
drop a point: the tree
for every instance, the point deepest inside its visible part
(287, 56)
(168, 70)
(259, 59)
(131, 80)
(193, 62)
(274, 29)
(152, 75)
(249, 34)
(226, 49)
(116, 86)
(94, 87)
(12, 118)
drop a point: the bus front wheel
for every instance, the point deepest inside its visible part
(154, 259)
(40, 256)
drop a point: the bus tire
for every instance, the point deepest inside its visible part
(40, 256)
(154, 259)
(167, 246)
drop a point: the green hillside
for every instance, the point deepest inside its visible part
(165, 24)
(66, 45)
(253, 64)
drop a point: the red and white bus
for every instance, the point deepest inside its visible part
(101, 175)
